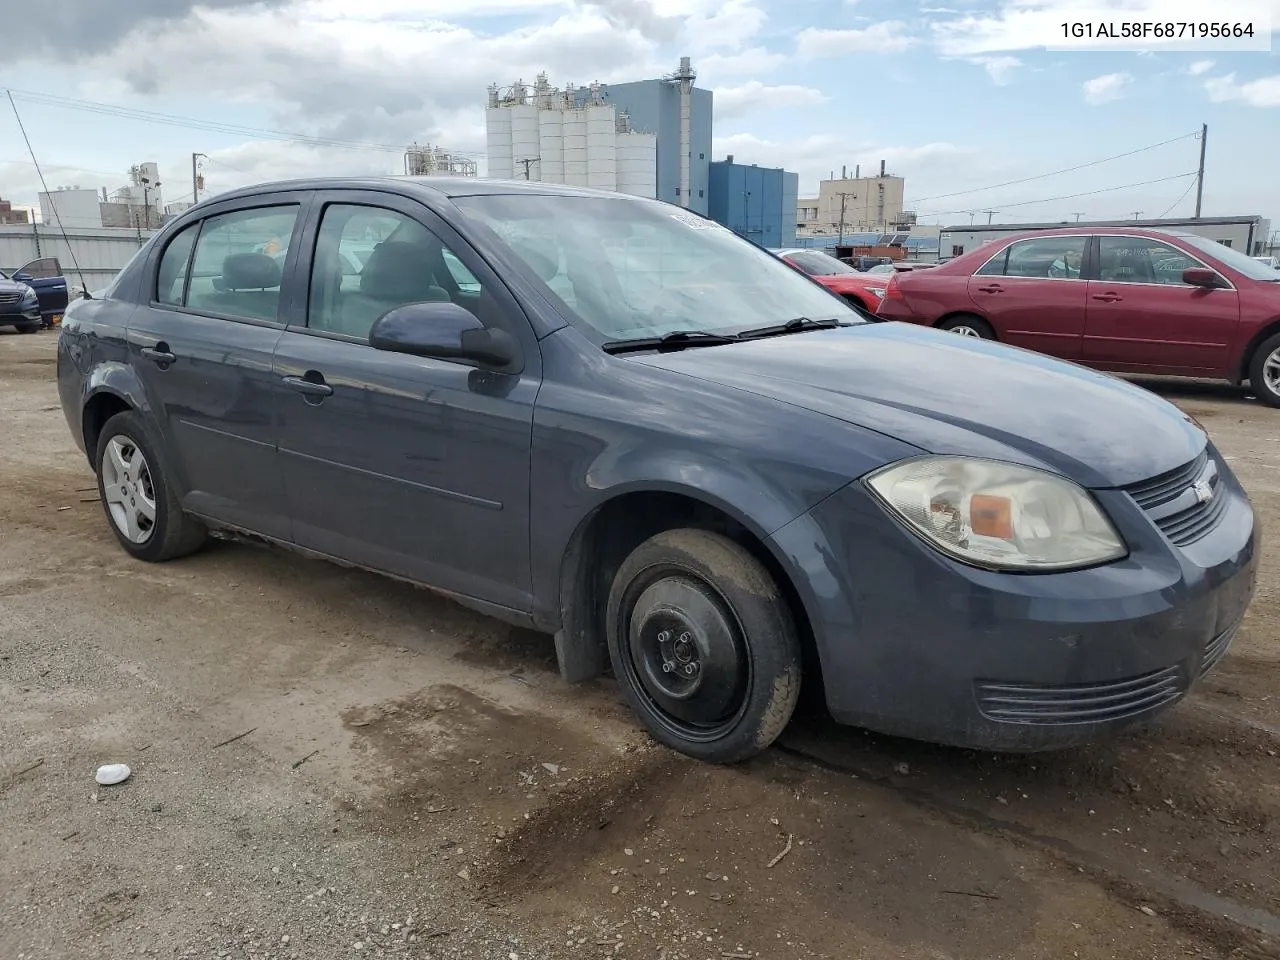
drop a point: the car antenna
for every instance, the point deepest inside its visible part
(84, 287)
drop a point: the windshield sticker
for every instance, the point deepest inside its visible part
(696, 223)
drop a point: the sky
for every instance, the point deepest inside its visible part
(963, 98)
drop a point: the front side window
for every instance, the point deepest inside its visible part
(1139, 260)
(1044, 258)
(629, 268)
(1237, 261)
(370, 260)
(238, 263)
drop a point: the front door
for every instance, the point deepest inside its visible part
(414, 466)
(1033, 296)
(204, 348)
(1142, 317)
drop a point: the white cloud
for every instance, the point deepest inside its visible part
(1104, 89)
(889, 36)
(754, 95)
(753, 60)
(1263, 92)
(998, 68)
(1199, 67)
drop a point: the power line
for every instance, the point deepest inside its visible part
(177, 120)
(1191, 186)
(1042, 176)
(1069, 196)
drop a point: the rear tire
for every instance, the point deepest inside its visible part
(967, 325)
(703, 645)
(138, 494)
(1264, 371)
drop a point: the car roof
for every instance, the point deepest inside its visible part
(1083, 231)
(429, 187)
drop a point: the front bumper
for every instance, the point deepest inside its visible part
(913, 643)
(19, 314)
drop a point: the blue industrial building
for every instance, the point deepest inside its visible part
(758, 203)
(654, 106)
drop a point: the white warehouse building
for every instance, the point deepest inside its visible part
(569, 136)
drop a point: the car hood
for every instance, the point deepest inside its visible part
(959, 395)
(850, 281)
(12, 286)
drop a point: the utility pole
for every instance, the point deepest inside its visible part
(844, 199)
(527, 164)
(1204, 137)
(1077, 216)
(195, 177)
(972, 214)
(1136, 214)
(990, 214)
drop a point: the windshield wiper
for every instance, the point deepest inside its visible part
(794, 325)
(677, 340)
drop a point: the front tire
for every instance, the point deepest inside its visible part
(138, 494)
(28, 328)
(1264, 371)
(703, 645)
(968, 325)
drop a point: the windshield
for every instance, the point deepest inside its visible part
(629, 268)
(1234, 259)
(818, 264)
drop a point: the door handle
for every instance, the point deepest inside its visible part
(994, 288)
(1107, 297)
(160, 354)
(308, 388)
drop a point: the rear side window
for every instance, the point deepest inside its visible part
(238, 263)
(1044, 258)
(171, 279)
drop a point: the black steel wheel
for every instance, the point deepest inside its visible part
(703, 645)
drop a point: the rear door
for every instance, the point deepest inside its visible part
(1033, 295)
(203, 349)
(48, 283)
(1142, 317)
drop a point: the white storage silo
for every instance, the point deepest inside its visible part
(524, 142)
(575, 148)
(602, 148)
(551, 145)
(498, 142)
(638, 164)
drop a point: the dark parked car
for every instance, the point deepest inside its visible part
(19, 306)
(44, 276)
(627, 426)
(1123, 299)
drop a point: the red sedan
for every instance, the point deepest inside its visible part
(864, 291)
(1119, 299)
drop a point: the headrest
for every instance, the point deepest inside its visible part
(250, 271)
(400, 271)
(543, 264)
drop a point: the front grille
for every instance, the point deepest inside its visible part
(1217, 648)
(10, 297)
(1079, 703)
(1173, 503)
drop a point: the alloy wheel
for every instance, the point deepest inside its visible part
(128, 490)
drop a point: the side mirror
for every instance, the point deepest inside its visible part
(1202, 277)
(23, 277)
(444, 331)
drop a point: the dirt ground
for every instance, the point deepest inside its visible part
(330, 764)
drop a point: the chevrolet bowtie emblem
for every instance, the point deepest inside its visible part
(1203, 490)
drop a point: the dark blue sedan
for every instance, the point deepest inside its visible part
(612, 420)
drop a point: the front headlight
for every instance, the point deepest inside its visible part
(877, 291)
(999, 515)
(29, 296)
